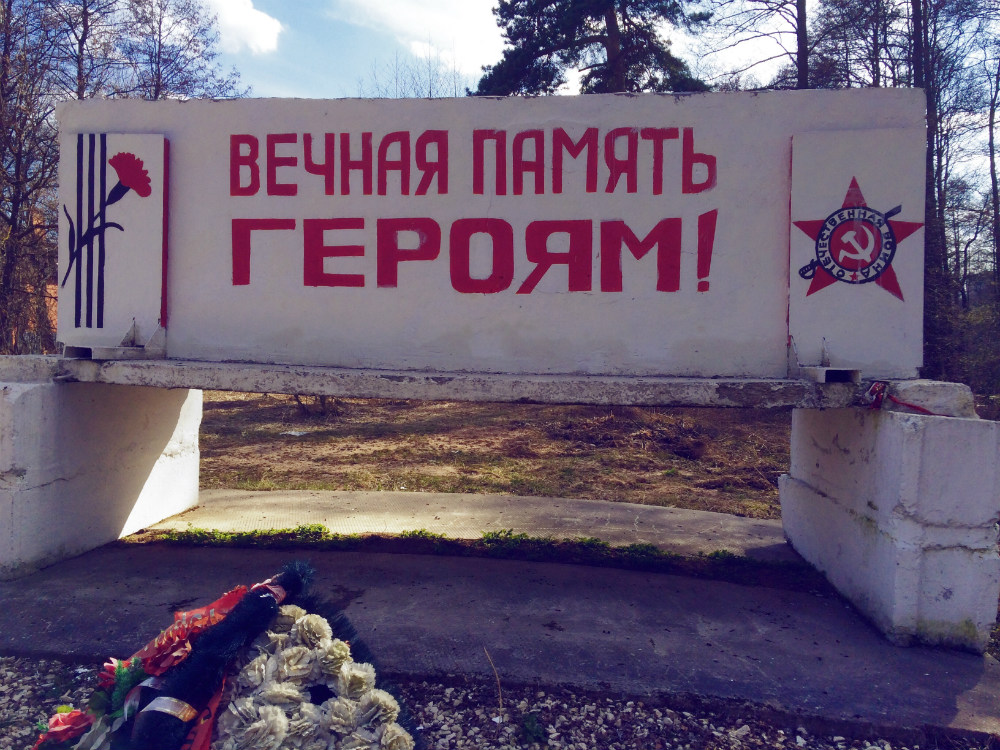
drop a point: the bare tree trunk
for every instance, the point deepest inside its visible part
(613, 47)
(874, 58)
(938, 300)
(994, 182)
(917, 43)
(801, 46)
(81, 53)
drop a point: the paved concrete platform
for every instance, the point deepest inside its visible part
(543, 623)
(464, 516)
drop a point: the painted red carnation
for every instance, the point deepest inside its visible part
(131, 172)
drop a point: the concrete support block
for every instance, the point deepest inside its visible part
(900, 512)
(82, 464)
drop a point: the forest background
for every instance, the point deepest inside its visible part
(54, 50)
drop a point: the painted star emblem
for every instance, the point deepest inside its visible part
(856, 245)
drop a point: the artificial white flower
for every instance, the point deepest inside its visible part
(378, 707)
(332, 656)
(267, 733)
(280, 693)
(306, 722)
(311, 630)
(340, 715)
(354, 680)
(394, 737)
(238, 714)
(272, 642)
(295, 664)
(360, 739)
(286, 617)
(255, 673)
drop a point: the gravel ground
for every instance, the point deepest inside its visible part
(457, 713)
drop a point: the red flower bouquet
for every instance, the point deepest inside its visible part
(64, 727)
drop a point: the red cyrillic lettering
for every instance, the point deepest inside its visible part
(348, 165)
(241, 243)
(629, 166)
(691, 159)
(401, 165)
(534, 165)
(326, 168)
(238, 159)
(315, 251)
(432, 168)
(274, 161)
(388, 253)
(499, 138)
(658, 136)
(560, 141)
(706, 243)
(577, 259)
(502, 268)
(665, 236)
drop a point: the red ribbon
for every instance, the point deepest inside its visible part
(173, 645)
(879, 391)
(200, 736)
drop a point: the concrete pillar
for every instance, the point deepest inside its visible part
(900, 512)
(82, 464)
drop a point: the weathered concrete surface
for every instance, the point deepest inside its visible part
(944, 399)
(466, 386)
(951, 399)
(82, 464)
(29, 368)
(463, 516)
(332, 381)
(900, 512)
(546, 624)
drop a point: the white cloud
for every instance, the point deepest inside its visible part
(461, 30)
(243, 26)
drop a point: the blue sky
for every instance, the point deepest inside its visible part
(328, 48)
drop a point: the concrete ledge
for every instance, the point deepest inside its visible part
(29, 369)
(946, 399)
(461, 386)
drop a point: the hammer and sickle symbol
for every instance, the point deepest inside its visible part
(860, 253)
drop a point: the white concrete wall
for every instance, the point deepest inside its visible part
(82, 464)
(831, 322)
(900, 512)
(724, 162)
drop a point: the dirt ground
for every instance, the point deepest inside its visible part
(725, 460)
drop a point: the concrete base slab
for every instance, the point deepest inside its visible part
(546, 624)
(464, 516)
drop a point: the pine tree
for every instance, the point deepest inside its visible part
(616, 44)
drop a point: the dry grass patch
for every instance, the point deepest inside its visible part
(725, 460)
